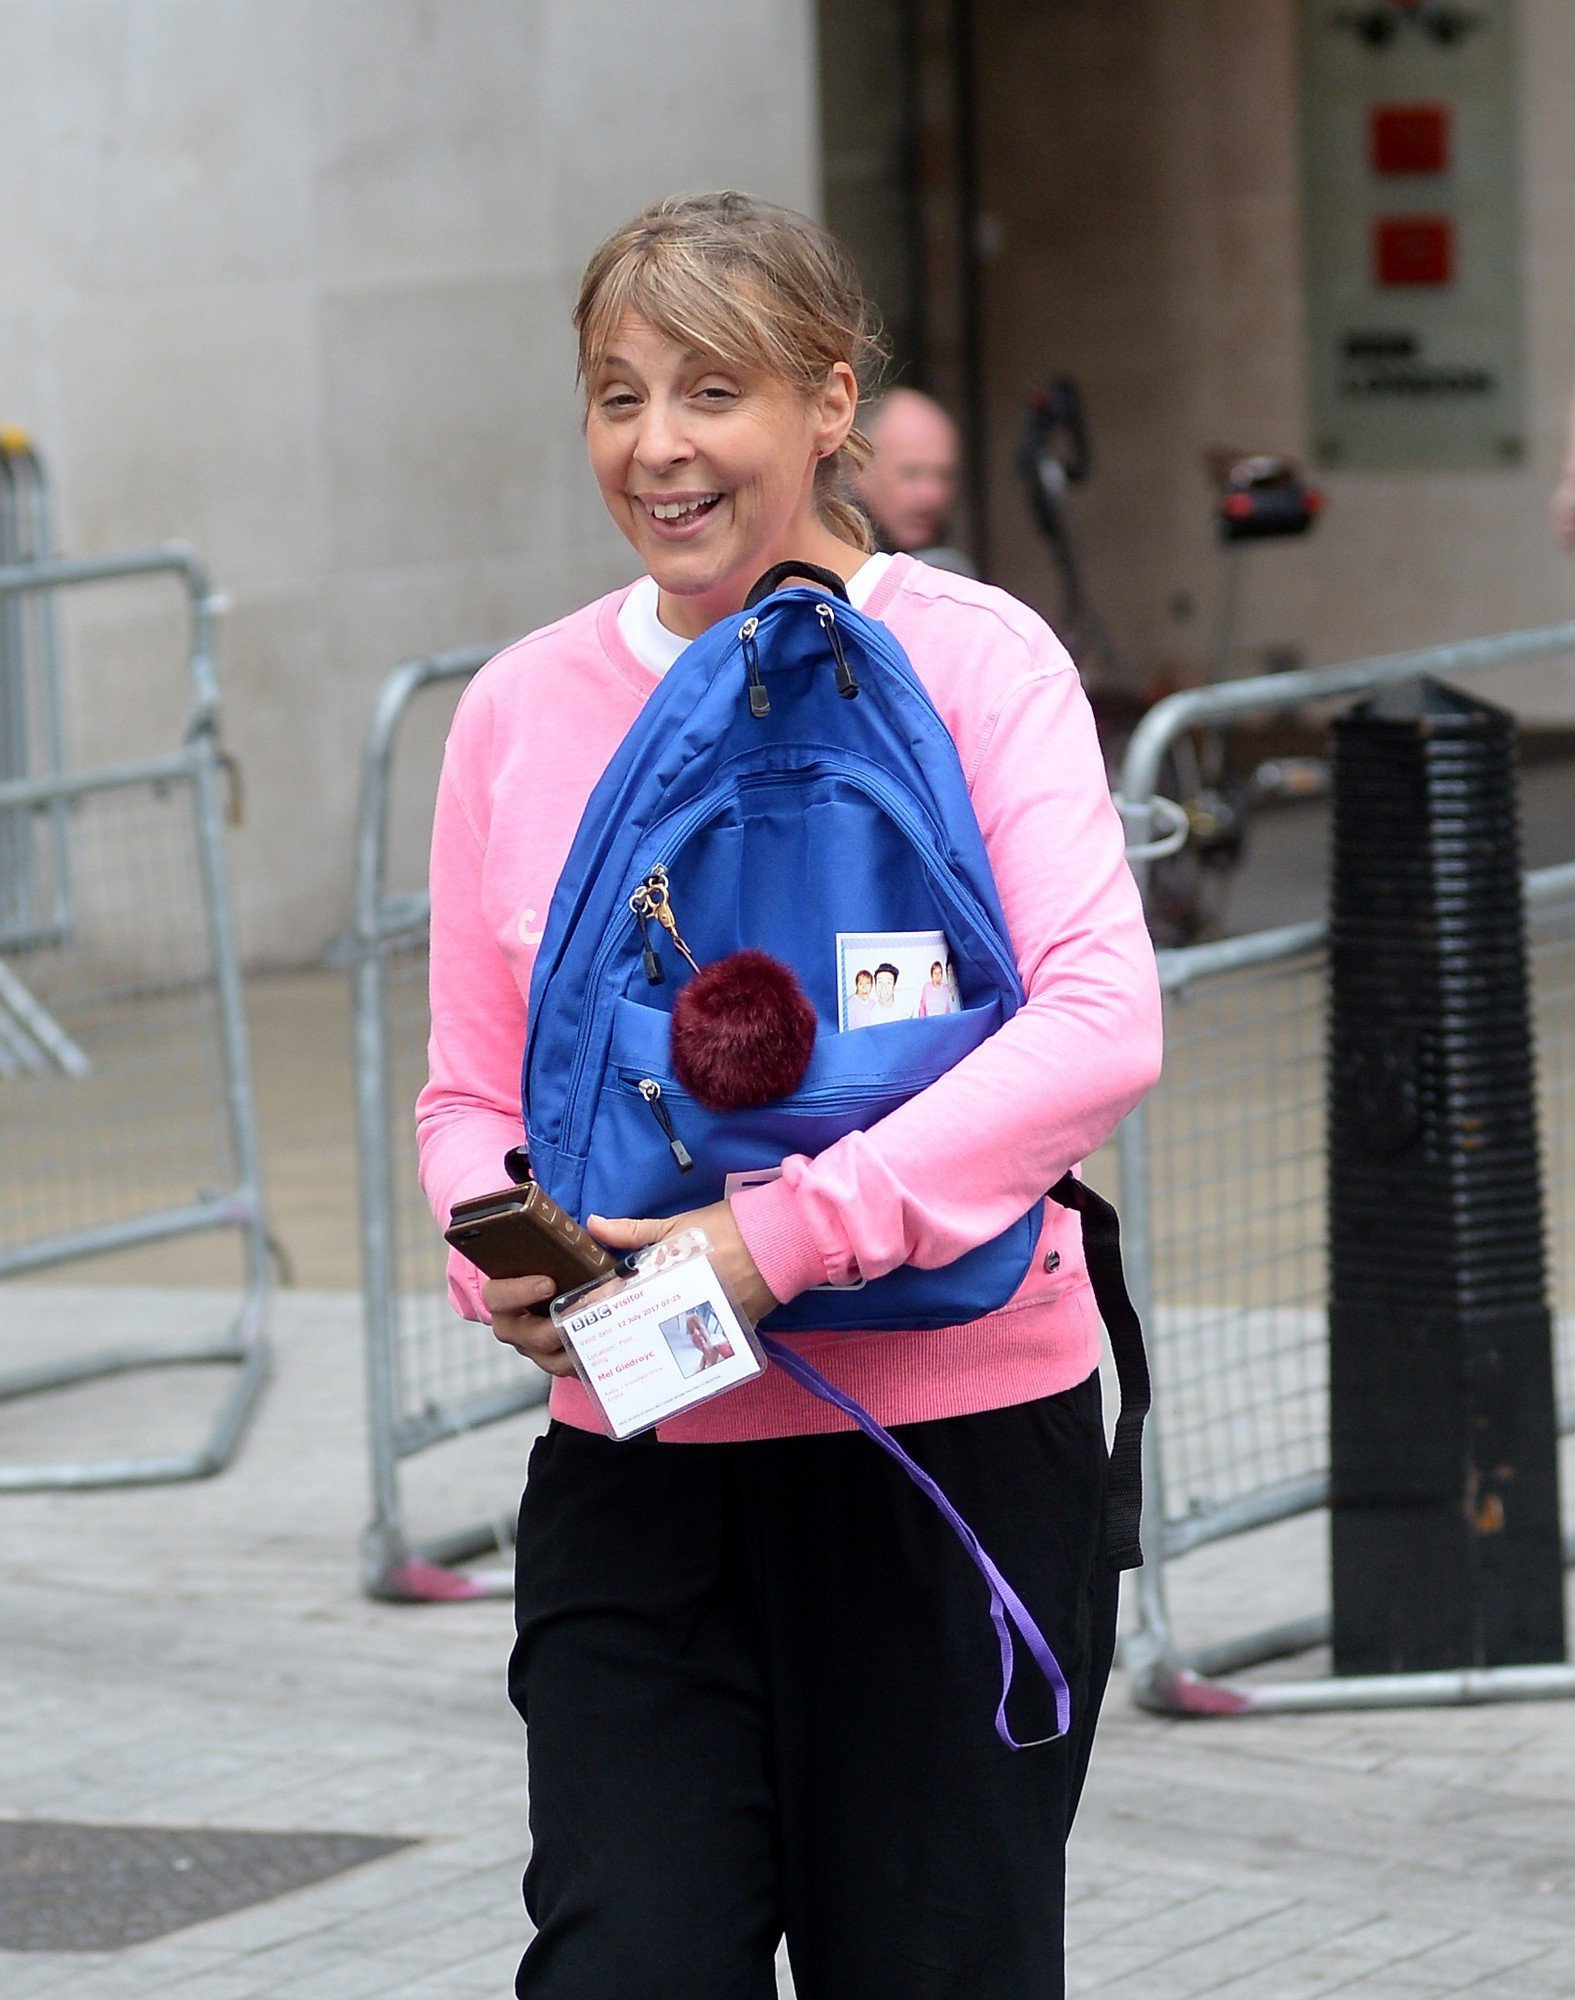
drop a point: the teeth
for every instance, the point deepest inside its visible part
(679, 510)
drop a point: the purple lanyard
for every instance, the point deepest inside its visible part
(1007, 1609)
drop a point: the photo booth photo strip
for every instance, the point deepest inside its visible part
(893, 976)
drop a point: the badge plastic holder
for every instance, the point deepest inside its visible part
(662, 1338)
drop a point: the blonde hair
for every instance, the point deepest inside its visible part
(758, 287)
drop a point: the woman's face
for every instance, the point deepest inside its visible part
(709, 470)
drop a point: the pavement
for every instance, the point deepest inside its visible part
(206, 1727)
(199, 1658)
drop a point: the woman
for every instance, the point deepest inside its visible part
(747, 1635)
(710, 1351)
(936, 997)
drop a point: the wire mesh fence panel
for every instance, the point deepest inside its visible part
(1236, 1164)
(34, 888)
(138, 1121)
(128, 1152)
(1236, 1148)
(446, 1365)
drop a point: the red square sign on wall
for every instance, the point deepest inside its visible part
(1413, 250)
(1408, 138)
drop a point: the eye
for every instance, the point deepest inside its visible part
(715, 394)
(617, 402)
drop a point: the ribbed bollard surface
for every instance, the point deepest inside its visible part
(1443, 1432)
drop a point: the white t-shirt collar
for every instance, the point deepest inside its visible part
(656, 648)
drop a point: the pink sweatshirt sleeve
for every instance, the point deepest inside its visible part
(468, 1113)
(965, 1158)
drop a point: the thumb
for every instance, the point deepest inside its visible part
(622, 1232)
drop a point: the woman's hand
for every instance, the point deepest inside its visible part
(729, 1252)
(509, 1301)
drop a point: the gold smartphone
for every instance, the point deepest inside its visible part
(520, 1232)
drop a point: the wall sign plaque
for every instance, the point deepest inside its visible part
(1411, 233)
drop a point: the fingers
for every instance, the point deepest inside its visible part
(623, 1232)
(515, 1295)
(518, 1322)
(535, 1338)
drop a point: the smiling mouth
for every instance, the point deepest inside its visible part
(678, 513)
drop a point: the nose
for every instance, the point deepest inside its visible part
(663, 440)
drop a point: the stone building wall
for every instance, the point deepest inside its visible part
(290, 279)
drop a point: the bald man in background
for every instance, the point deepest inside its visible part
(909, 487)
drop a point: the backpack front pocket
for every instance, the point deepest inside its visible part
(646, 1124)
(852, 1081)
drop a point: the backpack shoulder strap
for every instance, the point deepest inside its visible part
(1102, 1248)
(778, 574)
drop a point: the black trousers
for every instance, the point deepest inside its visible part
(759, 1683)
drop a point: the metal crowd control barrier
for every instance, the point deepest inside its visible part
(126, 1113)
(34, 886)
(431, 1376)
(1223, 1206)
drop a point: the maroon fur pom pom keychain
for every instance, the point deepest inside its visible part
(743, 1032)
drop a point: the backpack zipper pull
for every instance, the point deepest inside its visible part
(640, 903)
(655, 886)
(759, 700)
(847, 685)
(651, 1091)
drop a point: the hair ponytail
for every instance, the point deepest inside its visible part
(838, 509)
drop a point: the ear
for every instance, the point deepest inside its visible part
(835, 408)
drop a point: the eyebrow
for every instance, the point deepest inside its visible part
(691, 355)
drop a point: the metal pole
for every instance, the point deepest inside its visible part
(16, 874)
(1193, 707)
(383, 1544)
(392, 1565)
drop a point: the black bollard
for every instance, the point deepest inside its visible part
(1443, 1423)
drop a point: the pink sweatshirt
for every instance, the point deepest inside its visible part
(957, 1163)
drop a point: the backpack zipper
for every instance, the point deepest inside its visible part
(639, 903)
(652, 901)
(759, 700)
(866, 1090)
(847, 685)
(651, 1091)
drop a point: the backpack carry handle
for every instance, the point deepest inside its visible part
(779, 573)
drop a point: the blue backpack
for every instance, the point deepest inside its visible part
(795, 782)
(833, 803)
